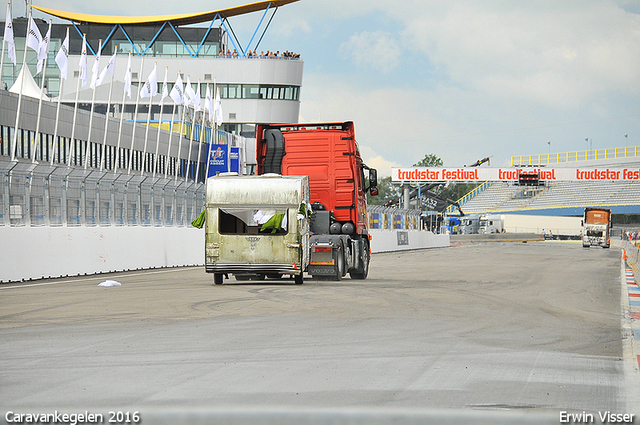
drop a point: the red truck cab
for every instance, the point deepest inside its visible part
(328, 153)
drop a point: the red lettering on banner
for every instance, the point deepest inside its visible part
(630, 175)
(547, 174)
(509, 174)
(418, 175)
(460, 174)
(596, 174)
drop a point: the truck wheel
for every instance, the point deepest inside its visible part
(218, 278)
(298, 279)
(364, 271)
(339, 263)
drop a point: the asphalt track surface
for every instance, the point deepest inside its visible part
(509, 328)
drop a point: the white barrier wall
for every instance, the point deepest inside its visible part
(46, 252)
(401, 240)
(42, 252)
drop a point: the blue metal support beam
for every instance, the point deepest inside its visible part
(224, 22)
(257, 28)
(267, 27)
(182, 41)
(238, 48)
(154, 38)
(207, 33)
(82, 35)
(129, 38)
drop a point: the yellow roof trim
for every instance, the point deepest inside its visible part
(177, 20)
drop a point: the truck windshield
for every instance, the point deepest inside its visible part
(252, 220)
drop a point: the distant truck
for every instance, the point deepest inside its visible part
(257, 226)
(596, 227)
(451, 225)
(469, 224)
(488, 224)
(560, 227)
(339, 180)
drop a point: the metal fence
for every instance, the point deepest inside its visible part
(35, 195)
(111, 175)
(586, 155)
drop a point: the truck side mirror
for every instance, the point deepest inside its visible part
(373, 181)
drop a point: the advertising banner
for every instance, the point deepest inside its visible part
(219, 157)
(482, 174)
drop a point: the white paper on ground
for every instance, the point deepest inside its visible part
(110, 283)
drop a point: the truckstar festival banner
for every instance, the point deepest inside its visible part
(424, 174)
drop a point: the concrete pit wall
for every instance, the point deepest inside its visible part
(46, 252)
(30, 253)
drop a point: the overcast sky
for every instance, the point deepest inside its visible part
(460, 79)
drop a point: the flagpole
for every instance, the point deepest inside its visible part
(124, 95)
(24, 64)
(72, 148)
(193, 128)
(201, 136)
(3, 44)
(176, 103)
(106, 122)
(173, 116)
(214, 119)
(44, 72)
(146, 133)
(163, 95)
(94, 78)
(179, 165)
(135, 116)
(62, 80)
(55, 131)
(214, 123)
(154, 162)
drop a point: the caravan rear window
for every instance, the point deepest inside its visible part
(252, 221)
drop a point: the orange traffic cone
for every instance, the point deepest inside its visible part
(624, 254)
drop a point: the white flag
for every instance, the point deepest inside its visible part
(108, 70)
(218, 108)
(83, 61)
(127, 77)
(43, 51)
(208, 104)
(177, 92)
(165, 85)
(95, 71)
(8, 35)
(33, 36)
(150, 87)
(196, 99)
(189, 94)
(62, 58)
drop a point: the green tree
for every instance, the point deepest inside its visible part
(429, 160)
(457, 190)
(386, 191)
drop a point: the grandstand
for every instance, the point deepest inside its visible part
(561, 198)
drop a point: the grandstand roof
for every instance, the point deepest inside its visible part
(177, 20)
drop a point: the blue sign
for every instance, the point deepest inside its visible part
(218, 160)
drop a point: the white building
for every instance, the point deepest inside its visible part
(253, 88)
